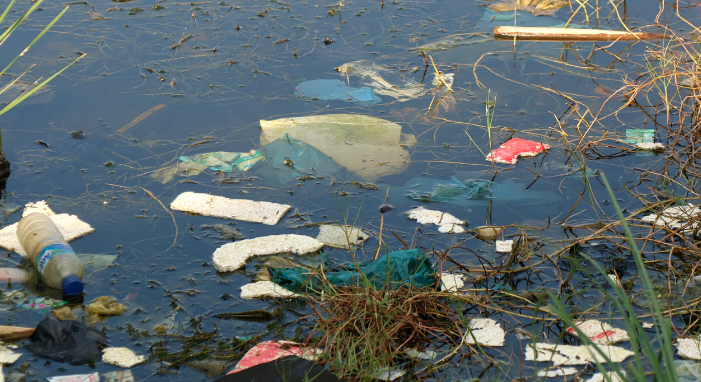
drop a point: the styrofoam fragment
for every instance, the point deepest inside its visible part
(40, 206)
(614, 277)
(7, 356)
(122, 357)
(574, 355)
(673, 217)
(505, 246)
(338, 236)
(265, 289)
(650, 146)
(600, 332)
(71, 228)
(232, 256)
(451, 282)
(446, 222)
(486, 331)
(613, 377)
(386, 374)
(225, 208)
(689, 348)
(647, 325)
(559, 372)
(427, 355)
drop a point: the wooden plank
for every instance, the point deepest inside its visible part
(571, 34)
(14, 333)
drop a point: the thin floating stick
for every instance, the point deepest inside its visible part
(140, 118)
(571, 34)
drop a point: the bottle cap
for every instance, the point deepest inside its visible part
(72, 285)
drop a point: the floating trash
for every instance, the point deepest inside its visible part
(600, 332)
(484, 331)
(269, 351)
(7, 356)
(557, 372)
(451, 282)
(94, 377)
(656, 146)
(119, 376)
(71, 227)
(187, 169)
(675, 218)
(488, 233)
(226, 161)
(232, 256)
(446, 222)
(225, 208)
(536, 7)
(386, 81)
(327, 90)
(41, 304)
(635, 136)
(689, 348)
(574, 355)
(121, 357)
(370, 147)
(688, 371)
(338, 236)
(504, 246)
(509, 152)
(265, 289)
(609, 377)
(387, 374)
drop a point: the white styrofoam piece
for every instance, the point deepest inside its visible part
(600, 332)
(599, 377)
(574, 355)
(486, 332)
(7, 356)
(689, 348)
(451, 282)
(650, 146)
(40, 206)
(675, 217)
(505, 246)
(338, 236)
(557, 372)
(265, 289)
(232, 256)
(446, 222)
(122, 357)
(234, 209)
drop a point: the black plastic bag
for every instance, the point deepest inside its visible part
(286, 369)
(67, 341)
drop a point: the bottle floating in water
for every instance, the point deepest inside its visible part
(50, 253)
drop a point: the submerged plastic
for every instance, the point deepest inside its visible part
(67, 341)
(399, 268)
(291, 158)
(327, 90)
(226, 161)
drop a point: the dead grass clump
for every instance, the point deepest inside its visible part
(365, 330)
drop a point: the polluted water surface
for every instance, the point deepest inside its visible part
(298, 177)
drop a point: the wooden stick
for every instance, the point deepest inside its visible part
(15, 333)
(140, 118)
(571, 34)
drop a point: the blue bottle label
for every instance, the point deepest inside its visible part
(48, 253)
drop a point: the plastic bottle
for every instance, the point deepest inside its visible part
(51, 255)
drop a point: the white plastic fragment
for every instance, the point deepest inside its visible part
(647, 325)
(613, 377)
(119, 376)
(485, 331)
(427, 355)
(386, 374)
(557, 372)
(234, 209)
(265, 289)
(505, 246)
(338, 236)
(650, 146)
(574, 355)
(675, 218)
(94, 377)
(7, 356)
(122, 357)
(446, 222)
(451, 282)
(232, 256)
(689, 348)
(71, 227)
(600, 332)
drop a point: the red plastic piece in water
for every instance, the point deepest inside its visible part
(509, 152)
(269, 351)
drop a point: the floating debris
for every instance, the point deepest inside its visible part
(484, 331)
(119, 376)
(226, 161)
(386, 81)
(122, 357)
(338, 236)
(71, 227)
(574, 355)
(655, 146)
(673, 218)
(446, 222)
(269, 351)
(509, 152)
(689, 348)
(225, 208)
(387, 374)
(536, 7)
(505, 246)
(7, 356)
(94, 377)
(487, 233)
(265, 289)
(600, 332)
(327, 90)
(232, 256)
(609, 377)
(557, 372)
(451, 282)
(370, 147)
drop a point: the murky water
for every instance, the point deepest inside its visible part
(239, 63)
